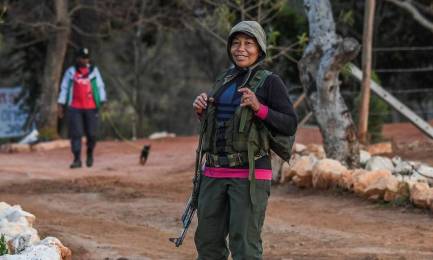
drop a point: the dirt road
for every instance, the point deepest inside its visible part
(121, 210)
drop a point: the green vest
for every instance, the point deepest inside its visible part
(246, 136)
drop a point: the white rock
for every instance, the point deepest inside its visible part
(379, 163)
(47, 249)
(364, 156)
(401, 167)
(426, 171)
(163, 134)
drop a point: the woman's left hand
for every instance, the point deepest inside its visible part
(249, 99)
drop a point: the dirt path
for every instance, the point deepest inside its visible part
(121, 210)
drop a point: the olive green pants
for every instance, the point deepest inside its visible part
(224, 208)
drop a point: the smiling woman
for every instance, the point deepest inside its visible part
(244, 50)
(235, 184)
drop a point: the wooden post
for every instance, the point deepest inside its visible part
(366, 70)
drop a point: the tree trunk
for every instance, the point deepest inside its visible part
(56, 49)
(319, 68)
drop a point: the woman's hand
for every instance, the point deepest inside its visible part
(249, 99)
(200, 103)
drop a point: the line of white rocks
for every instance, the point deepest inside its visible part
(380, 178)
(23, 240)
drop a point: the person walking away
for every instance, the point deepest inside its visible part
(246, 104)
(82, 93)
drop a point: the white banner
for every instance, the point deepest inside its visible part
(12, 118)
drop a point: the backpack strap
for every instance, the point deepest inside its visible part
(254, 84)
(221, 80)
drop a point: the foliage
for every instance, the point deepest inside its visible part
(156, 55)
(3, 245)
(47, 134)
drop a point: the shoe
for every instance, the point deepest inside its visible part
(75, 164)
(89, 161)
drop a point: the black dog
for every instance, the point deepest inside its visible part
(144, 154)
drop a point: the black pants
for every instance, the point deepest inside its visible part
(82, 121)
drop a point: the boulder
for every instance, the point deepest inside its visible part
(286, 169)
(316, 150)
(421, 195)
(371, 184)
(159, 135)
(402, 192)
(48, 249)
(380, 148)
(302, 170)
(16, 148)
(299, 148)
(425, 171)
(15, 222)
(379, 163)
(16, 214)
(385, 185)
(326, 173)
(364, 157)
(346, 180)
(51, 145)
(401, 167)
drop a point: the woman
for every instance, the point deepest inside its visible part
(246, 100)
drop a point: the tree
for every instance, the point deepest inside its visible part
(56, 50)
(418, 11)
(323, 58)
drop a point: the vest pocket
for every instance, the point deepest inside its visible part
(242, 123)
(209, 118)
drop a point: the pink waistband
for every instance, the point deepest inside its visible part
(261, 174)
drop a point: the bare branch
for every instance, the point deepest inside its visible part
(409, 7)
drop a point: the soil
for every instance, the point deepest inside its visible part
(119, 209)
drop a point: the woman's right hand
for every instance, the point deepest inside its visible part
(200, 103)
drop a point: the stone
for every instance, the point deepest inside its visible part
(421, 195)
(346, 180)
(17, 148)
(379, 163)
(425, 171)
(383, 185)
(364, 156)
(51, 145)
(286, 173)
(302, 171)
(401, 167)
(326, 173)
(364, 182)
(299, 148)
(402, 192)
(380, 148)
(316, 150)
(160, 135)
(48, 249)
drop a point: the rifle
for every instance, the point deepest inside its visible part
(192, 204)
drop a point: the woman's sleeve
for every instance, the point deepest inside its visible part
(280, 114)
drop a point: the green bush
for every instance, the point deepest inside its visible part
(3, 246)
